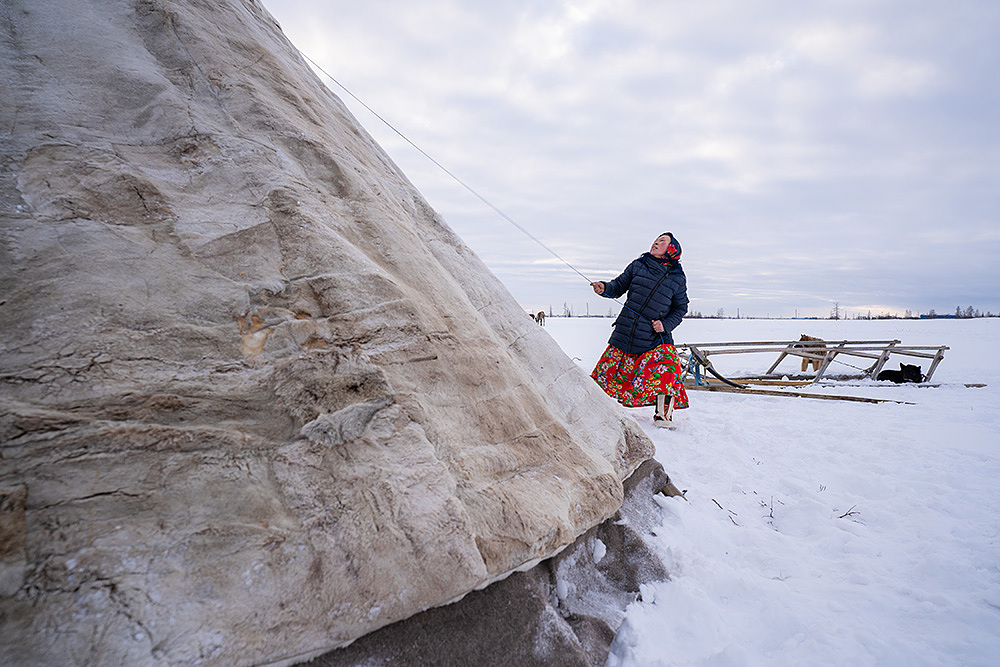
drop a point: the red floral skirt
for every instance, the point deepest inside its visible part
(634, 380)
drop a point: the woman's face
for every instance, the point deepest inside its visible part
(659, 248)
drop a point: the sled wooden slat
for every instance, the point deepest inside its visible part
(757, 344)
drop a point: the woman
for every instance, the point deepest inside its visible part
(640, 366)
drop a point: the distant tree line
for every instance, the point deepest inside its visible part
(960, 313)
(838, 313)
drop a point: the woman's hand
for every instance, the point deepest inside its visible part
(657, 326)
(598, 287)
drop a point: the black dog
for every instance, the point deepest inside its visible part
(906, 373)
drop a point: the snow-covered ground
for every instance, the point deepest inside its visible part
(825, 532)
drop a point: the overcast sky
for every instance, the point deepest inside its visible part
(805, 154)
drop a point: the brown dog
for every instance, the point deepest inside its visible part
(815, 345)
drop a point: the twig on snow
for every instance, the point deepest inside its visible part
(731, 513)
(849, 512)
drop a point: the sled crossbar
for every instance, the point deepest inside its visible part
(826, 352)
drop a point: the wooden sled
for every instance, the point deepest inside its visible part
(698, 365)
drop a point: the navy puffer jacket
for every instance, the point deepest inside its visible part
(655, 292)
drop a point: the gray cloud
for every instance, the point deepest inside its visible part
(804, 153)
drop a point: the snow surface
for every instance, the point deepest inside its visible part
(825, 532)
